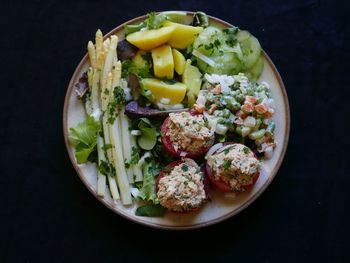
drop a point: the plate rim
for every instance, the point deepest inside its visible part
(273, 173)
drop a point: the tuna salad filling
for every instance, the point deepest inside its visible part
(182, 189)
(235, 164)
(189, 132)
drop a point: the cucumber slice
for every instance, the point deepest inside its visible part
(206, 38)
(243, 35)
(227, 63)
(251, 48)
(255, 71)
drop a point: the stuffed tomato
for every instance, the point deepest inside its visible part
(186, 134)
(182, 186)
(232, 167)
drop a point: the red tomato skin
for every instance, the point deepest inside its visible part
(220, 184)
(169, 148)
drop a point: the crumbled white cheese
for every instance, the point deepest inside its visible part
(224, 81)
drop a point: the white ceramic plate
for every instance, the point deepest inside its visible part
(220, 207)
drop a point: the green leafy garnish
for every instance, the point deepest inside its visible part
(135, 155)
(161, 155)
(227, 150)
(154, 210)
(129, 66)
(106, 169)
(84, 138)
(118, 101)
(148, 191)
(246, 150)
(155, 21)
(184, 168)
(209, 46)
(147, 56)
(230, 31)
(226, 164)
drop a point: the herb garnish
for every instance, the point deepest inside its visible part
(227, 150)
(135, 155)
(106, 169)
(246, 150)
(118, 100)
(226, 164)
(184, 168)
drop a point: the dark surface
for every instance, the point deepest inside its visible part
(47, 215)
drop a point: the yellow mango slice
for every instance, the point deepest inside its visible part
(159, 90)
(163, 62)
(183, 35)
(192, 79)
(149, 39)
(179, 62)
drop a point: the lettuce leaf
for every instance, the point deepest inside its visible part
(154, 210)
(84, 138)
(129, 66)
(155, 21)
(150, 173)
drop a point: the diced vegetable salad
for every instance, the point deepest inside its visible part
(165, 66)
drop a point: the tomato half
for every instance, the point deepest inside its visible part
(220, 184)
(168, 146)
(190, 162)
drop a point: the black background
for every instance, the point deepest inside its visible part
(47, 215)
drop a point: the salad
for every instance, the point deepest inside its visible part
(173, 110)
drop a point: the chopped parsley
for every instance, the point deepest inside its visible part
(226, 164)
(209, 46)
(184, 168)
(106, 169)
(246, 150)
(231, 36)
(217, 43)
(227, 150)
(118, 100)
(119, 95)
(230, 31)
(135, 155)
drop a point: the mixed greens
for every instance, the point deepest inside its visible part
(165, 66)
